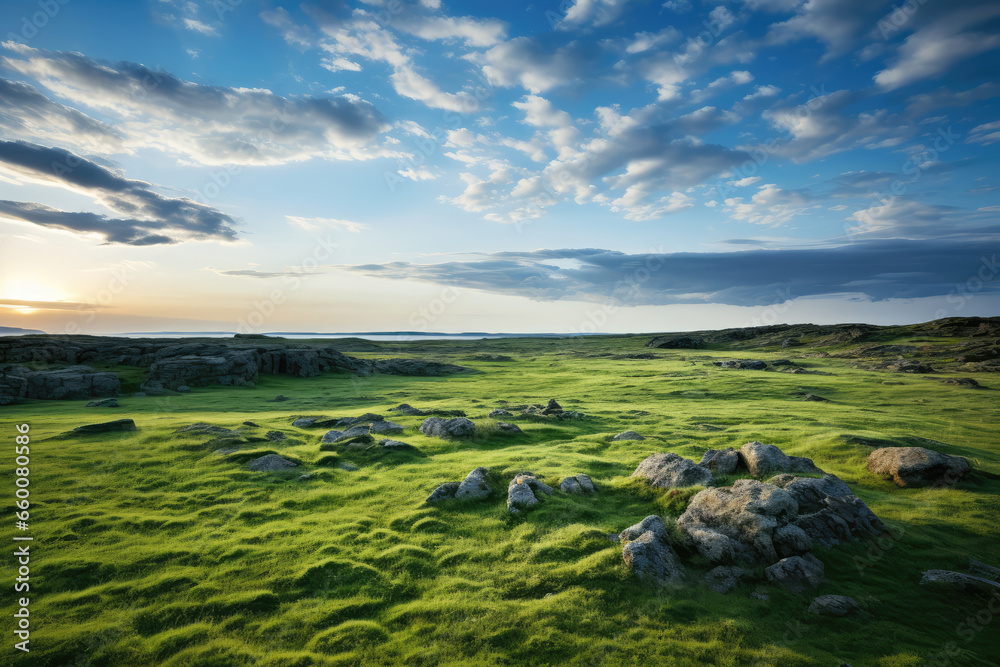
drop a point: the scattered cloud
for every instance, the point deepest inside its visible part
(150, 218)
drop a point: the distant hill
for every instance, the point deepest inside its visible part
(17, 331)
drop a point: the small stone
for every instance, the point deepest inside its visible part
(500, 412)
(725, 578)
(458, 427)
(107, 427)
(628, 435)
(509, 429)
(275, 436)
(279, 398)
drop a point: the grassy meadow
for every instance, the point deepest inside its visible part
(151, 549)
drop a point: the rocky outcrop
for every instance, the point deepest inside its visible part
(228, 367)
(918, 466)
(64, 383)
(523, 490)
(458, 427)
(416, 367)
(669, 470)
(674, 343)
(648, 554)
(720, 461)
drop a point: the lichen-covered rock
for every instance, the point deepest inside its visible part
(474, 486)
(226, 367)
(577, 484)
(796, 573)
(737, 523)
(834, 605)
(60, 384)
(628, 435)
(918, 466)
(648, 555)
(271, 463)
(458, 427)
(720, 461)
(669, 470)
(724, 578)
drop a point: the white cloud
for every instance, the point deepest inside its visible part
(209, 124)
(522, 61)
(770, 206)
(933, 49)
(314, 224)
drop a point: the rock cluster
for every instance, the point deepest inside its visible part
(523, 490)
(180, 364)
(473, 487)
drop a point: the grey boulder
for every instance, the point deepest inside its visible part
(918, 466)
(628, 435)
(721, 461)
(444, 492)
(796, 573)
(385, 428)
(648, 555)
(670, 470)
(724, 578)
(474, 486)
(458, 427)
(523, 490)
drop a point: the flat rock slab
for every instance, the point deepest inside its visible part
(918, 466)
(834, 605)
(107, 427)
(958, 582)
(106, 403)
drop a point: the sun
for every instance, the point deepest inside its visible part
(23, 289)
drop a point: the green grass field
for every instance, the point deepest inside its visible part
(150, 549)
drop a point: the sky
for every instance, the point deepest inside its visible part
(420, 165)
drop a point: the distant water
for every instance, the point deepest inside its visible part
(385, 337)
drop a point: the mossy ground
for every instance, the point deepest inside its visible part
(151, 549)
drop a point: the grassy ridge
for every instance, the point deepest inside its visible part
(151, 549)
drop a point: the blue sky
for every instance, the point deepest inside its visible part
(590, 165)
